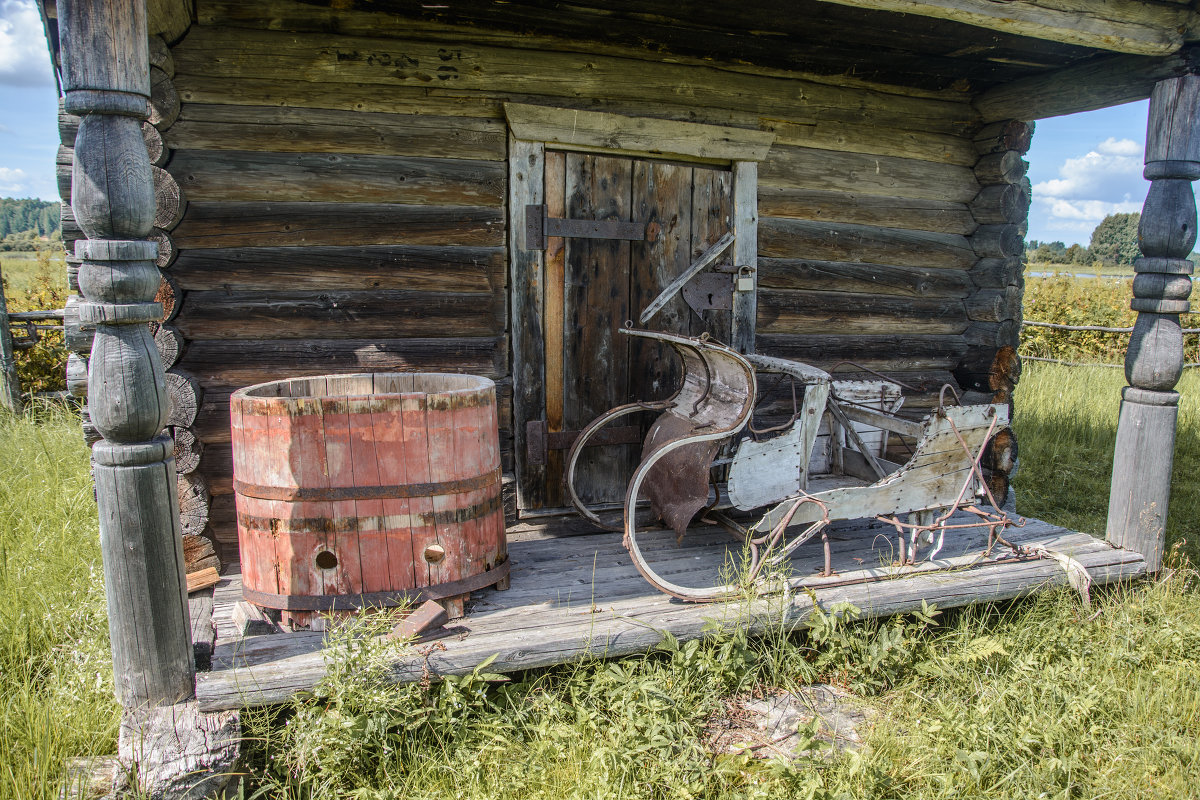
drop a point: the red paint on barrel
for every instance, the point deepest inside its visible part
(342, 483)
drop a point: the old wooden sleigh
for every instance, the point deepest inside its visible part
(704, 430)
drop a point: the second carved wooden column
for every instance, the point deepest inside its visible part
(1144, 455)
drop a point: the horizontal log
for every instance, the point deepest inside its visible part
(996, 273)
(1124, 26)
(891, 141)
(1003, 167)
(169, 19)
(170, 344)
(193, 503)
(788, 311)
(77, 375)
(992, 335)
(994, 305)
(183, 398)
(875, 351)
(806, 168)
(169, 297)
(188, 450)
(1097, 83)
(313, 130)
(866, 209)
(1001, 203)
(247, 362)
(437, 269)
(236, 175)
(849, 276)
(517, 73)
(164, 99)
(340, 315)
(64, 164)
(170, 204)
(77, 336)
(998, 241)
(160, 53)
(1006, 134)
(827, 241)
(337, 224)
(166, 248)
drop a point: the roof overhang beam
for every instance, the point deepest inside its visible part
(1121, 26)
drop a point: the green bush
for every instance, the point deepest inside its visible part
(41, 368)
(1068, 300)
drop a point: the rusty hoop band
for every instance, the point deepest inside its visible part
(353, 602)
(318, 494)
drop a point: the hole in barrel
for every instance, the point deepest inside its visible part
(326, 560)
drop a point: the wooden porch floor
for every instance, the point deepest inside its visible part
(577, 594)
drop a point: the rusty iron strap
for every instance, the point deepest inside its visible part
(318, 494)
(353, 602)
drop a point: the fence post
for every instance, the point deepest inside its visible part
(1145, 449)
(10, 385)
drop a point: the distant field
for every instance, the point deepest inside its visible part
(21, 271)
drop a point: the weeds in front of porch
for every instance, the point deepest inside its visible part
(1066, 424)
(55, 667)
(1033, 699)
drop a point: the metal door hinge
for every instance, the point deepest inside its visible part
(539, 226)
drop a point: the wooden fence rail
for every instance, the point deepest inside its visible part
(1099, 328)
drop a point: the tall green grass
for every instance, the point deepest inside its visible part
(1066, 424)
(55, 667)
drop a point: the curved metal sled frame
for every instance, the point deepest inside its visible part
(715, 401)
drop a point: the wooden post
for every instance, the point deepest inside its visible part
(105, 70)
(1141, 482)
(10, 386)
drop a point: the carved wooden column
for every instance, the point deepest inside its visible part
(1141, 483)
(105, 70)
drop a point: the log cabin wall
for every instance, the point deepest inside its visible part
(345, 182)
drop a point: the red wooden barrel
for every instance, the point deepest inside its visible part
(363, 490)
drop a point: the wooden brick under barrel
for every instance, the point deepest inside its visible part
(361, 484)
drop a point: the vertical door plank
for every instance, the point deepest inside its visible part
(745, 251)
(525, 176)
(712, 218)
(662, 198)
(555, 260)
(596, 366)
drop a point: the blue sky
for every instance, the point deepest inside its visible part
(1082, 166)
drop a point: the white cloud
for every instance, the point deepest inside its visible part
(24, 58)
(1120, 147)
(1106, 180)
(13, 181)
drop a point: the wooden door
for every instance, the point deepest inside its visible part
(593, 286)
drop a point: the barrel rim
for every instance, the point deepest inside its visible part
(259, 391)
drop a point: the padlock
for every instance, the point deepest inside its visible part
(745, 279)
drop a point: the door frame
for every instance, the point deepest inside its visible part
(531, 129)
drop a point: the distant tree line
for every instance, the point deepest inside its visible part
(26, 222)
(1114, 242)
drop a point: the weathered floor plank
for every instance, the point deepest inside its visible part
(579, 596)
